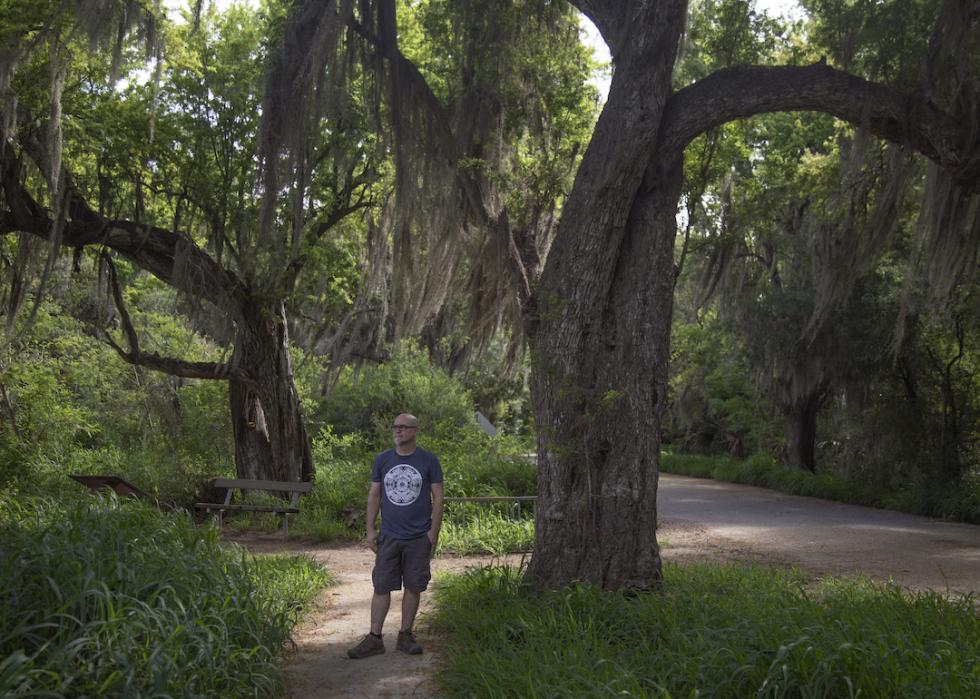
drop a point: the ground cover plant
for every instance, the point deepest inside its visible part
(110, 597)
(474, 528)
(961, 504)
(711, 631)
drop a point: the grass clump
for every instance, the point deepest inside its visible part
(105, 597)
(713, 631)
(493, 530)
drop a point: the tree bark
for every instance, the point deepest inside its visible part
(800, 418)
(600, 336)
(597, 493)
(271, 442)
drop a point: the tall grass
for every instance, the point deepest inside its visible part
(492, 530)
(103, 597)
(712, 631)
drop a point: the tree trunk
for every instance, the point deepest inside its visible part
(598, 463)
(600, 337)
(270, 437)
(800, 418)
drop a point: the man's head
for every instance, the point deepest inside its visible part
(405, 429)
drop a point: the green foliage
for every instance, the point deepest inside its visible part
(493, 532)
(78, 408)
(715, 408)
(335, 507)
(112, 598)
(882, 41)
(713, 631)
(500, 391)
(529, 55)
(495, 528)
(803, 229)
(724, 34)
(367, 399)
(475, 464)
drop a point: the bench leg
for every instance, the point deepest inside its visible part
(285, 524)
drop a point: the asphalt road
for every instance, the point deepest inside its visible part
(704, 518)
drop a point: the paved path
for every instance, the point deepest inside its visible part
(707, 519)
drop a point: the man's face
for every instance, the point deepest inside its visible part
(404, 430)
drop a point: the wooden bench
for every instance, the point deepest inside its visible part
(232, 484)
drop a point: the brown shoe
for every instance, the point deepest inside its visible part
(368, 646)
(408, 644)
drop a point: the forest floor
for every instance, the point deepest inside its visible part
(700, 520)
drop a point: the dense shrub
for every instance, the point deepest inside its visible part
(367, 398)
(74, 406)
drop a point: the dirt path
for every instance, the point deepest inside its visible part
(701, 520)
(319, 666)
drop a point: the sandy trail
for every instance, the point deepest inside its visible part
(319, 666)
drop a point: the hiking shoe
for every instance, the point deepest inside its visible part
(408, 644)
(369, 646)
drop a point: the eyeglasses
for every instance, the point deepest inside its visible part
(404, 427)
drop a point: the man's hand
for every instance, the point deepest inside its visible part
(371, 541)
(434, 540)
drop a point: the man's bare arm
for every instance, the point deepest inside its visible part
(438, 496)
(373, 508)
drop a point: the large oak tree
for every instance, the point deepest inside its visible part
(600, 327)
(597, 314)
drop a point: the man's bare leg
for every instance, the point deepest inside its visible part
(410, 607)
(379, 610)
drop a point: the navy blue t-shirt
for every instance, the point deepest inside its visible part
(406, 491)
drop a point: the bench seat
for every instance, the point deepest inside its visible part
(244, 484)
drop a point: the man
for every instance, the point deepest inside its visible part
(402, 481)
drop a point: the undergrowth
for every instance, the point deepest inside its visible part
(491, 531)
(106, 597)
(711, 631)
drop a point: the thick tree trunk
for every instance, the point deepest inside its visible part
(600, 336)
(800, 418)
(270, 437)
(598, 461)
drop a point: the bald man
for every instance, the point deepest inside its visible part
(406, 488)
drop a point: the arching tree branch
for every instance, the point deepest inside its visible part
(157, 250)
(608, 17)
(744, 91)
(168, 365)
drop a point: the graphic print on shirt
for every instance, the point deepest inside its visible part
(403, 483)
